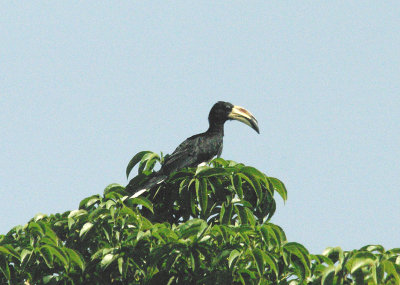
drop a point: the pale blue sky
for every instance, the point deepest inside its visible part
(86, 85)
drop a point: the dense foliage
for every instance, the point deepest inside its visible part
(205, 225)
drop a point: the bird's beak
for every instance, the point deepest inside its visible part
(241, 114)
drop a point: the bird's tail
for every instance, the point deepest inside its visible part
(138, 190)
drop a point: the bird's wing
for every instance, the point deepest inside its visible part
(188, 154)
(185, 155)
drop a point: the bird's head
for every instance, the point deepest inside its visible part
(223, 111)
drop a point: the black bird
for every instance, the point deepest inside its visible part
(202, 147)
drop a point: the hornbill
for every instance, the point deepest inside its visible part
(202, 147)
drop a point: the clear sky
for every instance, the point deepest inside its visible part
(86, 85)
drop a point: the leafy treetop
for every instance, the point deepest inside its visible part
(204, 225)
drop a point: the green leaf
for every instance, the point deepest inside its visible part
(268, 259)
(206, 171)
(128, 211)
(25, 253)
(192, 262)
(250, 216)
(99, 253)
(278, 232)
(258, 257)
(232, 256)
(125, 267)
(270, 237)
(335, 254)
(222, 213)
(372, 248)
(77, 213)
(302, 263)
(99, 213)
(138, 157)
(390, 269)
(255, 183)
(258, 178)
(150, 160)
(380, 273)
(57, 252)
(89, 201)
(182, 186)
(279, 187)
(50, 233)
(46, 252)
(240, 211)
(5, 269)
(237, 182)
(35, 228)
(142, 201)
(221, 257)
(219, 162)
(107, 260)
(47, 240)
(50, 279)
(192, 201)
(85, 229)
(394, 251)
(113, 187)
(251, 171)
(328, 275)
(7, 250)
(196, 187)
(39, 217)
(243, 203)
(75, 258)
(109, 204)
(321, 259)
(120, 265)
(360, 259)
(226, 213)
(193, 227)
(203, 197)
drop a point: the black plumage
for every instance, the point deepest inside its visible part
(202, 147)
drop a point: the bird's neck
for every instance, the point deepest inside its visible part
(216, 128)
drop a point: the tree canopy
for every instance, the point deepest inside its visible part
(205, 225)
